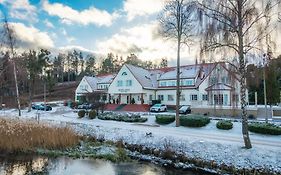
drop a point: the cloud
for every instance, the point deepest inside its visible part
(69, 15)
(48, 24)
(68, 38)
(135, 8)
(31, 37)
(75, 47)
(21, 9)
(144, 41)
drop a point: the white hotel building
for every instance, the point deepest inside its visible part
(206, 84)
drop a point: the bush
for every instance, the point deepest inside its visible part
(251, 116)
(81, 113)
(92, 114)
(194, 120)
(224, 124)
(122, 117)
(164, 119)
(265, 128)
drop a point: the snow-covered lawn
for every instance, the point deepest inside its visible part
(208, 143)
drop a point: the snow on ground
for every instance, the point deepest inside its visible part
(206, 143)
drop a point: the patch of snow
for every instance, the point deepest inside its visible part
(207, 143)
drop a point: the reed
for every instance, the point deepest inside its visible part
(22, 136)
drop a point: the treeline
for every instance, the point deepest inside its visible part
(272, 74)
(34, 68)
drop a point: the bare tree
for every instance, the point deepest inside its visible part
(176, 23)
(10, 40)
(240, 26)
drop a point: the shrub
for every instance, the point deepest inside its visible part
(265, 128)
(122, 117)
(81, 113)
(224, 124)
(164, 119)
(251, 116)
(92, 114)
(194, 120)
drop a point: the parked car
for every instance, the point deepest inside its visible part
(84, 106)
(158, 108)
(41, 107)
(185, 109)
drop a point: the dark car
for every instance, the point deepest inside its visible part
(185, 109)
(41, 107)
(84, 106)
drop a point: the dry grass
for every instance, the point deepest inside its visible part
(20, 136)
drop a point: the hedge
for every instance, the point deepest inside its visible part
(127, 117)
(194, 120)
(81, 113)
(265, 128)
(164, 119)
(92, 114)
(224, 124)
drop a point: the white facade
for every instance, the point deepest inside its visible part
(93, 84)
(215, 84)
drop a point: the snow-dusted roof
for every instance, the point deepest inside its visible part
(143, 76)
(104, 79)
(186, 72)
(92, 81)
(149, 78)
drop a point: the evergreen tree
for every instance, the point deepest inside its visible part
(107, 65)
(90, 65)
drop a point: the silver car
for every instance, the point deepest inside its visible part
(158, 108)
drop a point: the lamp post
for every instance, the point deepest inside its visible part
(264, 86)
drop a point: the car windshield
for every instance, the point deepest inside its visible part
(184, 107)
(157, 105)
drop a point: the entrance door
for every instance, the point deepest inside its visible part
(128, 99)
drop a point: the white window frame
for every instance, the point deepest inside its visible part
(119, 83)
(171, 98)
(192, 97)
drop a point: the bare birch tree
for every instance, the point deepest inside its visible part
(240, 26)
(10, 42)
(176, 24)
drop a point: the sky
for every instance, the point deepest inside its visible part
(93, 26)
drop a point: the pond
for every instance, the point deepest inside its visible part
(25, 165)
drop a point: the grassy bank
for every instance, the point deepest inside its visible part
(29, 137)
(24, 136)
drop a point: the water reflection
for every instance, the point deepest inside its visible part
(25, 165)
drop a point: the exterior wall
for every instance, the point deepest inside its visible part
(82, 88)
(226, 112)
(134, 90)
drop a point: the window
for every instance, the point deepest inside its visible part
(189, 82)
(193, 97)
(225, 97)
(205, 97)
(182, 98)
(150, 97)
(170, 98)
(163, 83)
(124, 73)
(128, 82)
(213, 80)
(119, 83)
(161, 97)
(171, 83)
(224, 80)
(218, 99)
